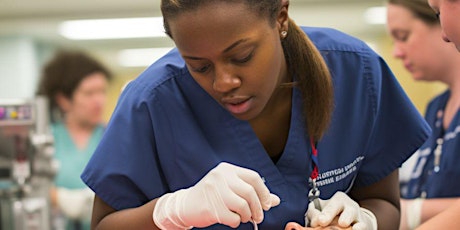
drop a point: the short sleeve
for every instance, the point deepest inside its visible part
(398, 128)
(125, 163)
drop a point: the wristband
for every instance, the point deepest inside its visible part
(414, 213)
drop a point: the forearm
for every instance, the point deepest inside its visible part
(134, 218)
(448, 219)
(386, 213)
(416, 211)
(432, 207)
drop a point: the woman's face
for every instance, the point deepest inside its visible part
(87, 103)
(419, 46)
(449, 11)
(234, 54)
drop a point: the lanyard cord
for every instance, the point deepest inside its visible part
(314, 193)
(314, 157)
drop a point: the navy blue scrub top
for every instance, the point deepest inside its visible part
(425, 181)
(166, 133)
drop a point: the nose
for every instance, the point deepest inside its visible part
(225, 80)
(397, 51)
(293, 226)
(444, 37)
(100, 97)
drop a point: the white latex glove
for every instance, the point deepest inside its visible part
(75, 203)
(228, 195)
(348, 210)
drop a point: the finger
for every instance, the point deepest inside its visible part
(253, 178)
(275, 200)
(221, 198)
(246, 202)
(348, 216)
(333, 208)
(312, 215)
(230, 219)
(360, 226)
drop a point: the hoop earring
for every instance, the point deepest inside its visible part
(283, 33)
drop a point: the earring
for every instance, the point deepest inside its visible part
(283, 33)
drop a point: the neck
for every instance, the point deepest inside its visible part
(272, 125)
(453, 104)
(455, 91)
(79, 132)
(78, 126)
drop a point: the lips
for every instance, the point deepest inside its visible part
(408, 66)
(237, 105)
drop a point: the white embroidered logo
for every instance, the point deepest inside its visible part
(338, 174)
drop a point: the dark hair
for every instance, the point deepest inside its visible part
(64, 72)
(420, 9)
(303, 59)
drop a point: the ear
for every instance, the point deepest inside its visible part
(282, 20)
(63, 102)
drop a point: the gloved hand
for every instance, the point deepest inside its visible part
(75, 203)
(348, 210)
(228, 195)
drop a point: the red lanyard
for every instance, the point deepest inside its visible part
(313, 194)
(314, 157)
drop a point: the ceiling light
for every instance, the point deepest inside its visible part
(376, 15)
(116, 28)
(141, 57)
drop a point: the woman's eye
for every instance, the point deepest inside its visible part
(201, 69)
(401, 37)
(243, 60)
(437, 15)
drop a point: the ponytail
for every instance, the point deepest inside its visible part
(313, 78)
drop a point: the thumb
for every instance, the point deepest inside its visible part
(274, 201)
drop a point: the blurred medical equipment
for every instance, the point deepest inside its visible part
(26, 164)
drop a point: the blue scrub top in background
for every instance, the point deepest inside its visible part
(167, 133)
(425, 181)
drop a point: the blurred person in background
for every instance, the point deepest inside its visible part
(448, 12)
(447, 219)
(76, 87)
(416, 32)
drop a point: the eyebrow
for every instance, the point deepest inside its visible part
(235, 44)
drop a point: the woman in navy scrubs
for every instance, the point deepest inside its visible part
(230, 127)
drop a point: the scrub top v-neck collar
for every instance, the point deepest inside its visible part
(289, 161)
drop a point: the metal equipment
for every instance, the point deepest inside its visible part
(26, 164)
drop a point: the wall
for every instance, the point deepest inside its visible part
(18, 67)
(421, 93)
